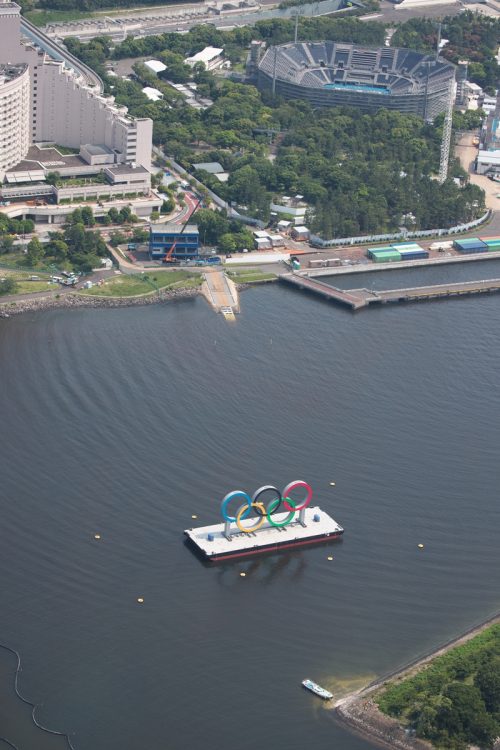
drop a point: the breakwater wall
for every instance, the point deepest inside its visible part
(74, 300)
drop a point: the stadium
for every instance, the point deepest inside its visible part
(332, 74)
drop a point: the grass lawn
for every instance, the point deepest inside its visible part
(249, 275)
(137, 284)
(24, 285)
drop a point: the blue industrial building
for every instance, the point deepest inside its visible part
(163, 236)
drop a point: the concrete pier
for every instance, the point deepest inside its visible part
(220, 292)
(356, 299)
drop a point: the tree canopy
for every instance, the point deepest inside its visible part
(455, 701)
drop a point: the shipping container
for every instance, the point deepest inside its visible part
(333, 262)
(471, 245)
(385, 256)
(406, 246)
(385, 249)
(414, 254)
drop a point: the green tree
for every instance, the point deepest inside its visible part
(227, 243)
(488, 682)
(87, 216)
(35, 251)
(8, 286)
(6, 243)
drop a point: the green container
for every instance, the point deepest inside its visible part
(386, 256)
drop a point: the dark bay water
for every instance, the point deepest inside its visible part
(420, 276)
(126, 422)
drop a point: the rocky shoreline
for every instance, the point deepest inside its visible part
(73, 300)
(360, 714)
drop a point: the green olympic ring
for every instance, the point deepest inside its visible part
(273, 505)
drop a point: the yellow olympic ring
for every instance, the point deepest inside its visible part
(260, 520)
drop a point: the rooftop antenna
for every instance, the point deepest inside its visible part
(274, 72)
(297, 14)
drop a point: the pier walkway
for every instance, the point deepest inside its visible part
(359, 298)
(221, 293)
(354, 298)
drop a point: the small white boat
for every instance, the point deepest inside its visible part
(317, 689)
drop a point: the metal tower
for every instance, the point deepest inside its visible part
(447, 130)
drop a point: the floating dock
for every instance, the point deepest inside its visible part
(218, 542)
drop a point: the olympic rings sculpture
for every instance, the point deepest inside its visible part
(263, 512)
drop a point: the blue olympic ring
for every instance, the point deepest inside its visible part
(230, 496)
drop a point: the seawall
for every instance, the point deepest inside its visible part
(73, 300)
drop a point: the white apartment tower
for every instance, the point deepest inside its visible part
(58, 104)
(14, 114)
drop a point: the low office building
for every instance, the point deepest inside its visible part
(184, 240)
(211, 57)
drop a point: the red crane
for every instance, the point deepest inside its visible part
(168, 257)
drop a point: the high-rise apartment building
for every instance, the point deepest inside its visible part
(14, 114)
(58, 103)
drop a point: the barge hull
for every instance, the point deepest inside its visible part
(213, 545)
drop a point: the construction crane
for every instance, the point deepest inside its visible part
(169, 256)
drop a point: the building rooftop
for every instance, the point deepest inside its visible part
(169, 228)
(126, 169)
(213, 167)
(205, 56)
(9, 72)
(47, 158)
(155, 65)
(153, 95)
(98, 149)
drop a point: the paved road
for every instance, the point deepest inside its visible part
(391, 13)
(467, 153)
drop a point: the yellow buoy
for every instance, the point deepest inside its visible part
(97, 536)
(194, 515)
(420, 546)
(330, 558)
(242, 575)
(332, 484)
(140, 600)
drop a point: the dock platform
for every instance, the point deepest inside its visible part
(356, 299)
(212, 543)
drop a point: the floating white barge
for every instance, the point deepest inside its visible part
(219, 541)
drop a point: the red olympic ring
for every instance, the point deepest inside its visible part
(290, 487)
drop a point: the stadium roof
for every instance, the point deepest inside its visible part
(348, 67)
